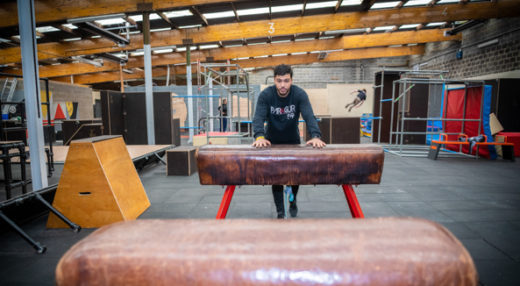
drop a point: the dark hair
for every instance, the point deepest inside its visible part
(282, 70)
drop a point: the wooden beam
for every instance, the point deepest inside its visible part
(346, 42)
(284, 26)
(263, 62)
(60, 10)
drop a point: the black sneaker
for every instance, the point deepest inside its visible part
(280, 215)
(293, 209)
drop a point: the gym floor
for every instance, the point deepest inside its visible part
(477, 200)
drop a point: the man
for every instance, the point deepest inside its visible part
(358, 101)
(223, 114)
(281, 105)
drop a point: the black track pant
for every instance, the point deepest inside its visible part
(278, 197)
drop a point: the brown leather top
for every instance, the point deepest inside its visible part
(384, 251)
(290, 164)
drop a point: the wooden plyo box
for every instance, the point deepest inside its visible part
(99, 185)
(181, 161)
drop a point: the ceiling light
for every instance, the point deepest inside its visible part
(280, 41)
(435, 24)
(95, 18)
(318, 5)
(260, 57)
(232, 46)
(286, 8)
(279, 55)
(348, 31)
(71, 39)
(383, 28)
(137, 53)
(2, 40)
(128, 71)
(243, 58)
(409, 26)
(163, 51)
(46, 29)
(326, 37)
(160, 29)
(253, 44)
(254, 11)
(183, 49)
(180, 13)
(204, 47)
(384, 5)
(298, 53)
(190, 26)
(350, 2)
(303, 39)
(216, 15)
(447, 1)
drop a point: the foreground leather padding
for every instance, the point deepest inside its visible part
(290, 164)
(385, 251)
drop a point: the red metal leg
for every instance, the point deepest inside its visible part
(353, 204)
(226, 200)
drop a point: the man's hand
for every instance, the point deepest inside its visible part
(260, 143)
(316, 143)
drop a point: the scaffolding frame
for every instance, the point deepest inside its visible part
(404, 85)
(211, 78)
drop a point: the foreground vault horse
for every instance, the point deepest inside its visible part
(377, 252)
(336, 164)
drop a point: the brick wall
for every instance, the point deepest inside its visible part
(501, 57)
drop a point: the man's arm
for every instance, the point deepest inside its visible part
(310, 120)
(258, 122)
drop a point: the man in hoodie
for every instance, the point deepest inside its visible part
(280, 106)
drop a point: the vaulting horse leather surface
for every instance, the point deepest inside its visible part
(290, 164)
(382, 251)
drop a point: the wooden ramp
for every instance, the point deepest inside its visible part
(99, 184)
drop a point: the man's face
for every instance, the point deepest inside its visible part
(283, 84)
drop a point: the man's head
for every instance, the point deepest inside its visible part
(283, 79)
(224, 101)
(364, 90)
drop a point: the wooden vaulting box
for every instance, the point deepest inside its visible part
(99, 184)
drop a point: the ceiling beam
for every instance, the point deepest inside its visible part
(283, 26)
(345, 42)
(61, 10)
(258, 63)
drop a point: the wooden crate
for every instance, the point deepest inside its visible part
(181, 161)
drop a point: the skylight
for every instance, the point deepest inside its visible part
(111, 21)
(286, 8)
(350, 2)
(417, 3)
(384, 5)
(254, 11)
(180, 13)
(216, 15)
(318, 5)
(447, 1)
(46, 29)
(70, 26)
(139, 18)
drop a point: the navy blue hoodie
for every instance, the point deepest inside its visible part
(282, 114)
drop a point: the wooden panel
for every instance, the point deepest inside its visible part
(376, 252)
(181, 161)
(112, 112)
(386, 109)
(345, 130)
(290, 165)
(74, 128)
(418, 107)
(134, 118)
(99, 185)
(162, 111)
